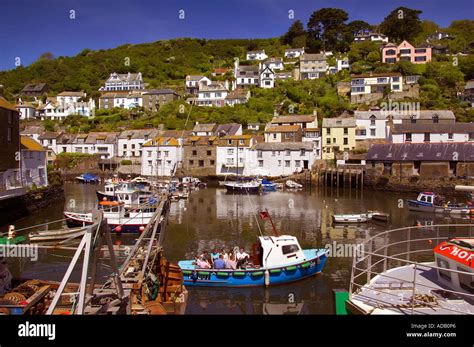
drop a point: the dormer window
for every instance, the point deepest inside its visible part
(413, 119)
(435, 118)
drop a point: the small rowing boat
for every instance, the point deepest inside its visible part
(56, 235)
(351, 218)
(293, 185)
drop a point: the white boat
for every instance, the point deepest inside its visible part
(293, 185)
(351, 218)
(56, 235)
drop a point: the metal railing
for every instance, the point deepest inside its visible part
(406, 247)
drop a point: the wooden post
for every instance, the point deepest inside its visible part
(350, 178)
(337, 177)
(361, 179)
(357, 179)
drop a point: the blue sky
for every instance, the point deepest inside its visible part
(29, 28)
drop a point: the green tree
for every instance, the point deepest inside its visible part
(328, 26)
(401, 24)
(296, 30)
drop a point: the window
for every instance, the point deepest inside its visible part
(420, 50)
(328, 141)
(427, 137)
(230, 151)
(346, 141)
(191, 162)
(241, 142)
(302, 152)
(279, 162)
(274, 136)
(450, 136)
(446, 275)
(211, 162)
(408, 137)
(395, 79)
(413, 119)
(167, 153)
(390, 52)
(133, 145)
(396, 87)
(405, 51)
(230, 161)
(287, 152)
(287, 163)
(372, 132)
(124, 146)
(422, 58)
(346, 131)
(194, 152)
(372, 120)
(287, 249)
(201, 163)
(435, 118)
(148, 153)
(259, 154)
(209, 152)
(297, 163)
(328, 131)
(260, 163)
(273, 153)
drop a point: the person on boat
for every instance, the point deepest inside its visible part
(202, 264)
(215, 255)
(219, 263)
(11, 232)
(242, 258)
(230, 263)
(207, 258)
(224, 254)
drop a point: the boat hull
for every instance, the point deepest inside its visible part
(350, 219)
(253, 277)
(242, 189)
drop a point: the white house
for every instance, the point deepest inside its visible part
(128, 81)
(376, 83)
(431, 133)
(274, 63)
(33, 163)
(125, 99)
(246, 75)
(303, 120)
(102, 143)
(282, 159)
(370, 36)
(372, 124)
(342, 64)
(294, 52)
(256, 55)
(213, 94)
(233, 155)
(267, 78)
(194, 83)
(130, 142)
(27, 110)
(313, 135)
(66, 104)
(237, 97)
(33, 131)
(161, 155)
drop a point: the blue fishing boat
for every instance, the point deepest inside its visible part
(88, 178)
(268, 186)
(274, 260)
(434, 203)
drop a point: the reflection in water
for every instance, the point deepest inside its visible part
(211, 218)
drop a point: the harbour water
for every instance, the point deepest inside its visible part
(212, 218)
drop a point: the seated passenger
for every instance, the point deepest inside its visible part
(230, 263)
(224, 253)
(207, 258)
(202, 264)
(219, 263)
(242, 258)
(215, 255)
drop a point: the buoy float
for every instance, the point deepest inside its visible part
(430, 241)
(267, 278)
(104, 198)
(118, 228)
(141, 228)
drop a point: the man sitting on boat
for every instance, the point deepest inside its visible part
(230, 262)
(219, 263)
(202, 264)
(242, 258)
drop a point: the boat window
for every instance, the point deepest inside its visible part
(115, 209)
(466, 281)
(442, 273)
(428, 198)
(290, 249)
(423, 198)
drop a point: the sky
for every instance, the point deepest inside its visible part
(29, 28)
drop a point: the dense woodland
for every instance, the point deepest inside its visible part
(166, 63)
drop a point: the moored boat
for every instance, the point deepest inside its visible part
(351, 218)
(293, 185)
(241, 186)
(434, 203)
(274, 260)
(56, 235)
(88, 178)
(268, 186)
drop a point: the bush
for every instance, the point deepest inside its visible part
(126, 162)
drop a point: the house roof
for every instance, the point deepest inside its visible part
(200, 140)
(283, 129)
(422, 152)
(235, 140)
(255, 52)
(120, 94)
(66, 93)
(138, 133)
(339, 122)
(220, 70)
(214, 86)
(26, 104)
(309, 130)
(273, 60)
(311, 57)
(194, 77)
(209, 127)
(107, 137)
(405, 114)
(459, 128)
(162, 141)
(385, 74)
(469, 84)
(227, 129)
(297, 118)
(282, 146)
(33, 129)
(294, 49)
(238, 94)
(30, 144)
(49, 135)
(34, 87)
(6, 105)
(159, 91)
(175, 133)
(126, 77)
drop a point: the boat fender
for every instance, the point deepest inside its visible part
(194, 276)
(267, 278)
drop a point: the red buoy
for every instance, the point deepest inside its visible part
(141, 228)
(118, 228)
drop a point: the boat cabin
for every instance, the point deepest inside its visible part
(277, 251)
(458, 255)
(429, 199)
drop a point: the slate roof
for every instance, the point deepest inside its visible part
(422, 152)
(282, 146)
(459, 128)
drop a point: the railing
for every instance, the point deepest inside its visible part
(407, 248)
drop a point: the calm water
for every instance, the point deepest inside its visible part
(212, 218)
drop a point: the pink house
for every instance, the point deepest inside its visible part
(392, 53)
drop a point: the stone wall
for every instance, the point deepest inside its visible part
(434, 170)
(465, 169)
(403, 170)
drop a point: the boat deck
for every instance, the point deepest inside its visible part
(393, 294)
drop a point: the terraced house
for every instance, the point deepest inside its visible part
(234, 153)
(199, 155)
(130, 142)
(339, 135)
(161, 156)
